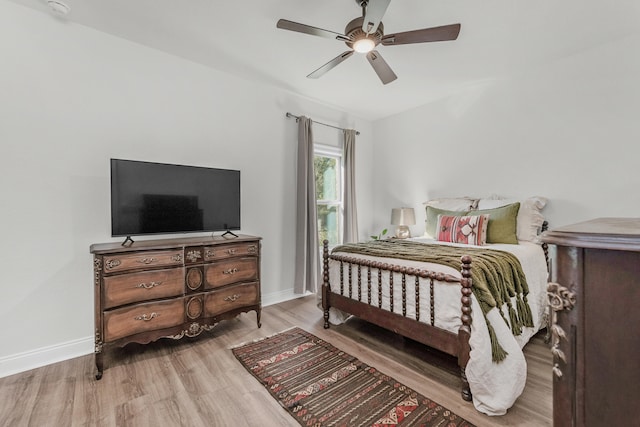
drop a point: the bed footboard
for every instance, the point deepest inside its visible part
(355, 298)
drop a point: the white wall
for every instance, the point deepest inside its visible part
(70, 99)
(567, 130)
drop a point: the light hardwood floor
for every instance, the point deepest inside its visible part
(200, 383)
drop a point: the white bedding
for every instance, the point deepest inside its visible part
(495, 386)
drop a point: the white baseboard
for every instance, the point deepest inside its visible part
(43, 356)
(21, 362)
(282, 296)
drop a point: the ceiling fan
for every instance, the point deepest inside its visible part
(364, 33)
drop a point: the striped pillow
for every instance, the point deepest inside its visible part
(470, 230)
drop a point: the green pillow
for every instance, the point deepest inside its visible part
(432, 219)
(503, 226)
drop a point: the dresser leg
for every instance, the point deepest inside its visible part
(99, 365)
(258, 312)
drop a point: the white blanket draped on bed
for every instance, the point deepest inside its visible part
(495, 386)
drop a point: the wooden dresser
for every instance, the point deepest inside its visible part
(171, 288)
(595, 302)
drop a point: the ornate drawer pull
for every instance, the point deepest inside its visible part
(112, 263)
(147, 318)
(148, 286)
(230, 271)
(146, 260)
(231, 251)
(177, 258)
(232, 298)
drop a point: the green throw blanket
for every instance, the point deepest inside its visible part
(497, 277)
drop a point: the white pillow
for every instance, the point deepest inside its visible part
(453, 203)
(530, 218)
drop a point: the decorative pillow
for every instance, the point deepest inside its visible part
(530, 217)
(471, 230)
(502, 226)
(431, 222)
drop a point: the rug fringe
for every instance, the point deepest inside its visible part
(262, 338)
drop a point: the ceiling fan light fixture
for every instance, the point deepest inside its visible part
(364, 45)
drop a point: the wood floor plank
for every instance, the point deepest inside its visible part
(55, 382)
(198, 382)
(18, 396)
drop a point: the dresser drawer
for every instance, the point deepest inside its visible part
(126, 321)
(147, 285)
(133, 261)
(227, 299)
(230, 271)
(227, 251)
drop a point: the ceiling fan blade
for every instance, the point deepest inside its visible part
(329, 65)
(381, 67)
(435, 34)
(307, 29)
(374, 12)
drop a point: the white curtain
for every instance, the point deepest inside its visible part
(308, 271)
(350, 210)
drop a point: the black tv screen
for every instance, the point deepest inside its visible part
(159, 198)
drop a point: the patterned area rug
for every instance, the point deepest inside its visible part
(320, 385)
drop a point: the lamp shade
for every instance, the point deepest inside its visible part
(403, 216)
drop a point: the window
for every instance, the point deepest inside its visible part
(328, 170)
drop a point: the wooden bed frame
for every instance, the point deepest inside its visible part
(451, 343)
(410, 327)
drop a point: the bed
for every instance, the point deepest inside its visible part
(439, 290)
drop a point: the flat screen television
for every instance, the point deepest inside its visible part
(159, 198)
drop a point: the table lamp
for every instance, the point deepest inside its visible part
(403, 218)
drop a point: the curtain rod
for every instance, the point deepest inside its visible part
(320, 123)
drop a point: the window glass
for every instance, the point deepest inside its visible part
(328, 224)
(328, 176)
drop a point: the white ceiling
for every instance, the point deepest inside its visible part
(498, 38)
